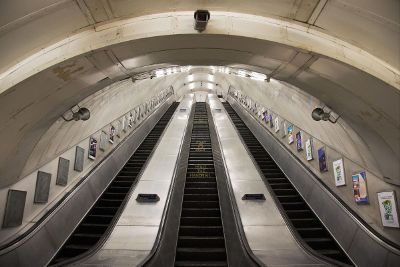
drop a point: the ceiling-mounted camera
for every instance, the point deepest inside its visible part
(201, 18)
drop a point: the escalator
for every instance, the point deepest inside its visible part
(107, 208)
(201, 237)
(307, 225)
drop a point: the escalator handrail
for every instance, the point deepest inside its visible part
(110, 228)
(382, 240)
(235, 208)
(306, 248)
(161, 229)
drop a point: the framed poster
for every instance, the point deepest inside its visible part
(284, 127)
(271, 121)
(111, 137)
(338, 172)
(276, 124)
(323, 167)
(309, 149)
(130, 120)
(290, 134)
(62, 172)
(124, 124)
(14, 210)
(103, 141)
(42, 188)
(388, 209)
(92, 148)
(79, 159)
(360, 187)
(118, 129)
(299, 142)
(266, 116)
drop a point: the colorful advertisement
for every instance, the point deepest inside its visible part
(360, 187)
(271, 121)
(290, 134)
(266, 116)
(92, 148)
(299, 142)
(323, 167)
(338, 172)
(309, 149)
(388, 209)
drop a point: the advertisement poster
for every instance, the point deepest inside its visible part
(309, 149)
(118, 129)
(92, 148)
(103, 141)
(271, 121)
(322, 160)
(299, 142)
(290, 134)
(266, 116)
(130, 120)
(276, 124)
(124, 124)
(284, 127)
(338, 172)
(112, 134)
(388, 209)
(360, 187)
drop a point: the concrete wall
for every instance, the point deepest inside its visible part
(108, 107)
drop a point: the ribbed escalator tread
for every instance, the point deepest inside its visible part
(201, 238)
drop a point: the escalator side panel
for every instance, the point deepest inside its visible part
(107, 209)
(301, 217)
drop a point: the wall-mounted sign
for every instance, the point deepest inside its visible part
(388, 209)
(360, 187)
(338, 172)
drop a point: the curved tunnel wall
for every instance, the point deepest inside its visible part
(66, 73)
(61, 139)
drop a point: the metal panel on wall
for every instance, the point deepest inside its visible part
(15, 206)
(42, 187)
(62, 172)
(79, 158)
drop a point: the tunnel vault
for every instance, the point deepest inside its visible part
(361, 88)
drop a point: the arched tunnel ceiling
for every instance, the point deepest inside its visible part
(56, 82)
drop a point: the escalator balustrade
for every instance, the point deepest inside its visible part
(300, 215)
(99, 218)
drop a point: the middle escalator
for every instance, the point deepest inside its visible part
(201, 237)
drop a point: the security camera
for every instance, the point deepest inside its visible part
(201, 18)
(319, 114)
(82, 114)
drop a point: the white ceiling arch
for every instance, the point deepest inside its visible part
(356, 84)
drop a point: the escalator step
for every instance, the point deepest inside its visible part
(200, 254)
(201, 264)
(201, 242)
